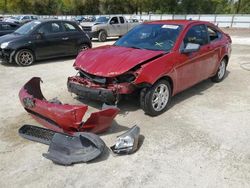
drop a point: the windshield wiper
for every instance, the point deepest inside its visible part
(135, 47)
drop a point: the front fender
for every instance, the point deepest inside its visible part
(154, 70)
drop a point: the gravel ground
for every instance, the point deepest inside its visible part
(201, 141)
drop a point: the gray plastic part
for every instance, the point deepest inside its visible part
(82, 147)
(65, 149)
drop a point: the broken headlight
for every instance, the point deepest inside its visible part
(128, 142)
(129, 77)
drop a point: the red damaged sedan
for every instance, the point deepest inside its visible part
(159, 59)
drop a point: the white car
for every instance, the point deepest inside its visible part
(21, 19)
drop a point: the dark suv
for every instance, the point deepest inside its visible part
(44, 39)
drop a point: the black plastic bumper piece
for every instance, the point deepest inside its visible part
(36, 134)
(103, 95)
(65, 149)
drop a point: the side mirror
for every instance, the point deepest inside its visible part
(39, 35)
(190, 47)
(111, 22)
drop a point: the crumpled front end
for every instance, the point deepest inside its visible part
(103, 89)
(63, 117)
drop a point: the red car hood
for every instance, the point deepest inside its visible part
(109, 61)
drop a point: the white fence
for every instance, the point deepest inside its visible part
(222, 20)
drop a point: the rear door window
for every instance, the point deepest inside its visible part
(213, 34)
(121, 19)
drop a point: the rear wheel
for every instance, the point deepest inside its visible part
(155, 100)
(220, 72)
(102, 37)
(24, 57)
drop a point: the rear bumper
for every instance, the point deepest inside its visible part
(63, 117)
(108, 94)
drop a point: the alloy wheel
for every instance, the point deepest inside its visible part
(25, 58)
(160, 97)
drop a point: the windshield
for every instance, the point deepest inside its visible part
(27, 28)
(102, 19)
(151, 37)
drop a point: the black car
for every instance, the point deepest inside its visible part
(7, 27)
(44, 39)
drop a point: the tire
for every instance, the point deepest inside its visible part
(82, 47)
(24, 57)
(102, 37)
(148, 98)
(220, 72)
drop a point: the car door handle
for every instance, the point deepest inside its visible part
(65, 38)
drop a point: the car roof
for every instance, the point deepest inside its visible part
(177, 22)
(54, 20)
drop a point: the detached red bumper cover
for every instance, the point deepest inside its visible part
(62, 117)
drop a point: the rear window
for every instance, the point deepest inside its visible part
(69, 27)
(213, 34)
(121, 19)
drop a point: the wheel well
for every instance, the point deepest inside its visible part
(226, 58)
(25, 48)
(103, 30)
(169, 79)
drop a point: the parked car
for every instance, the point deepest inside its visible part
(79, 19)
(7, 27)
(21, 19)
(106, 26)
(38, 40)
(133, 20)
(156, 59)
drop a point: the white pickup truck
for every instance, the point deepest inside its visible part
(107, 26)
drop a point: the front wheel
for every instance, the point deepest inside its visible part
(155, 100)
(24, 57)
(102, 37)
(220, 72)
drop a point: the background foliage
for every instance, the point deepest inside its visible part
(77, 7)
